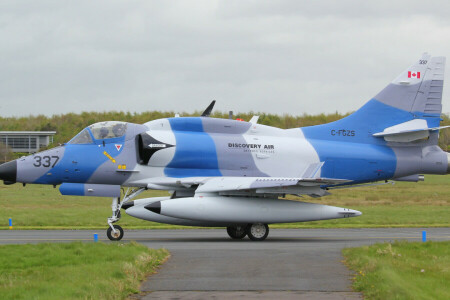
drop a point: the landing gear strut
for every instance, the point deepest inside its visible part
(115, 232)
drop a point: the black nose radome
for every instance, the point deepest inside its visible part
(8, 172)
(154, 207)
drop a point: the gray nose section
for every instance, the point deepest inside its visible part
(8, 172)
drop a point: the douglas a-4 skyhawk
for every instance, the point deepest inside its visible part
(232, 173)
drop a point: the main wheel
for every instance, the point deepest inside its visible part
(258, 231)
(237, 232)
(115, 236)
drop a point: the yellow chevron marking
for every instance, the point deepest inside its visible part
(109, 156)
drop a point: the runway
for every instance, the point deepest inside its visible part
(291, 263)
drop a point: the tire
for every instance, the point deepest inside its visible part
(237, 232)
(115, 236)
(258, 231)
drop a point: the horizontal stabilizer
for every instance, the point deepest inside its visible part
(406, 132)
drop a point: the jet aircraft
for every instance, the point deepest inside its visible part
(235, 174)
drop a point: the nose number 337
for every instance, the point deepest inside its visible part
(45, 161)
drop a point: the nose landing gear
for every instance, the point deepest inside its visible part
(115, 232)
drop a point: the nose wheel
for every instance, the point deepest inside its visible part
(115, 232)
(115, 235)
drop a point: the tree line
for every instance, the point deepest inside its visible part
(68, 125)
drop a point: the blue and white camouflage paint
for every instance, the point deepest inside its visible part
(393, 136)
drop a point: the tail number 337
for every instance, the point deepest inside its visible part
(45, 161)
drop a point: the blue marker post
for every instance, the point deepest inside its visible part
(424, 236)
(95, 237)
(10, 223)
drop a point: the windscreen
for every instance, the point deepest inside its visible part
(82, 138)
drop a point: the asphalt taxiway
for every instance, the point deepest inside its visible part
(291, 263)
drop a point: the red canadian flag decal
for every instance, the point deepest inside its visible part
(413, 74)
(118, 147)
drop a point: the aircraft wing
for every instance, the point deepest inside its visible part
(219, 184)
(244, 185)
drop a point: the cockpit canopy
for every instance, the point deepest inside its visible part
(108, 130)
(100, 131)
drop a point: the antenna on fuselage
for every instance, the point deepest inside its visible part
(208, 110)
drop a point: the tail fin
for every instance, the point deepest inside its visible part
(418, 89)
(414, 95)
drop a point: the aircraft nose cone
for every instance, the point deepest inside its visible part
(8, 172)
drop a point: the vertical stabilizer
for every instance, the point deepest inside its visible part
(418, 89)
(401, 124)
(415, 95)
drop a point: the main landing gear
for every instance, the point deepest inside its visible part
(115, 232)
(255, 232)
(237, 232)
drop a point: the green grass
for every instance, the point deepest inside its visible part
(75, 270)
(423, 204)
(401, 270)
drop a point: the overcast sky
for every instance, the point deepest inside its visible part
(269, 56)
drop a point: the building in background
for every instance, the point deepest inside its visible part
(26, 141)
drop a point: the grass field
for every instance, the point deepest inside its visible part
(75, 270)
(402, 270)
(423, 204)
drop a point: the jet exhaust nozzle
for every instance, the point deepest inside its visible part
(411, 178)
